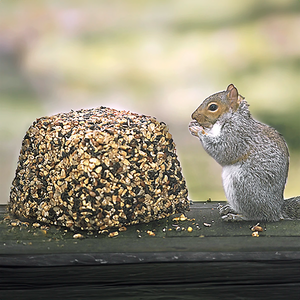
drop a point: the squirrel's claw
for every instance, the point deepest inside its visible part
(225, 209)
(229, 214)
(232, 218)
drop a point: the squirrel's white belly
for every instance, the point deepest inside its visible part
(229, 173)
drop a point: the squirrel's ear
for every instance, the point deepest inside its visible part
(233, 96)
(230, 87)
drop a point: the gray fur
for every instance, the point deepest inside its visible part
(255, 163)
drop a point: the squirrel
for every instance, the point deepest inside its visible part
(254, 159)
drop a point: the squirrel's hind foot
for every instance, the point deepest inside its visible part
(233, 218)
(229, 214)
(225, 209)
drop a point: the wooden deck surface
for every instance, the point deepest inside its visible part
(213, 257)
(202, 237)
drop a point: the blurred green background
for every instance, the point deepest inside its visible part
(154, 57)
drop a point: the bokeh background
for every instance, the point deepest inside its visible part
(154, 57)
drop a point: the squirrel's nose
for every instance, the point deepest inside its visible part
(198, 117)
(194, 115)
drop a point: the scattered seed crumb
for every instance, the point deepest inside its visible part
(257, 228)
(207, 224)
(182, 217)
(78, 236)
(190, 229)
(113, 234)
(151, 233)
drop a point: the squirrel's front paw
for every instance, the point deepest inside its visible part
(195, 128)
(232, 218)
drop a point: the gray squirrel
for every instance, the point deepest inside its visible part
(254, 158)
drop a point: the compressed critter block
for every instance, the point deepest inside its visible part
(97, 168)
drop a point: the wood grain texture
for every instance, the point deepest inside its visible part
(221, 259)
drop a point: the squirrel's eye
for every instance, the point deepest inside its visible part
(213, 107)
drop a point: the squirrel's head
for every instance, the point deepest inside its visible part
(215, 106)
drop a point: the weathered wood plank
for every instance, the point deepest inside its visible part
(209, 262)
(209, 239)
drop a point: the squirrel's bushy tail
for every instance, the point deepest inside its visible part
(291, 208)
